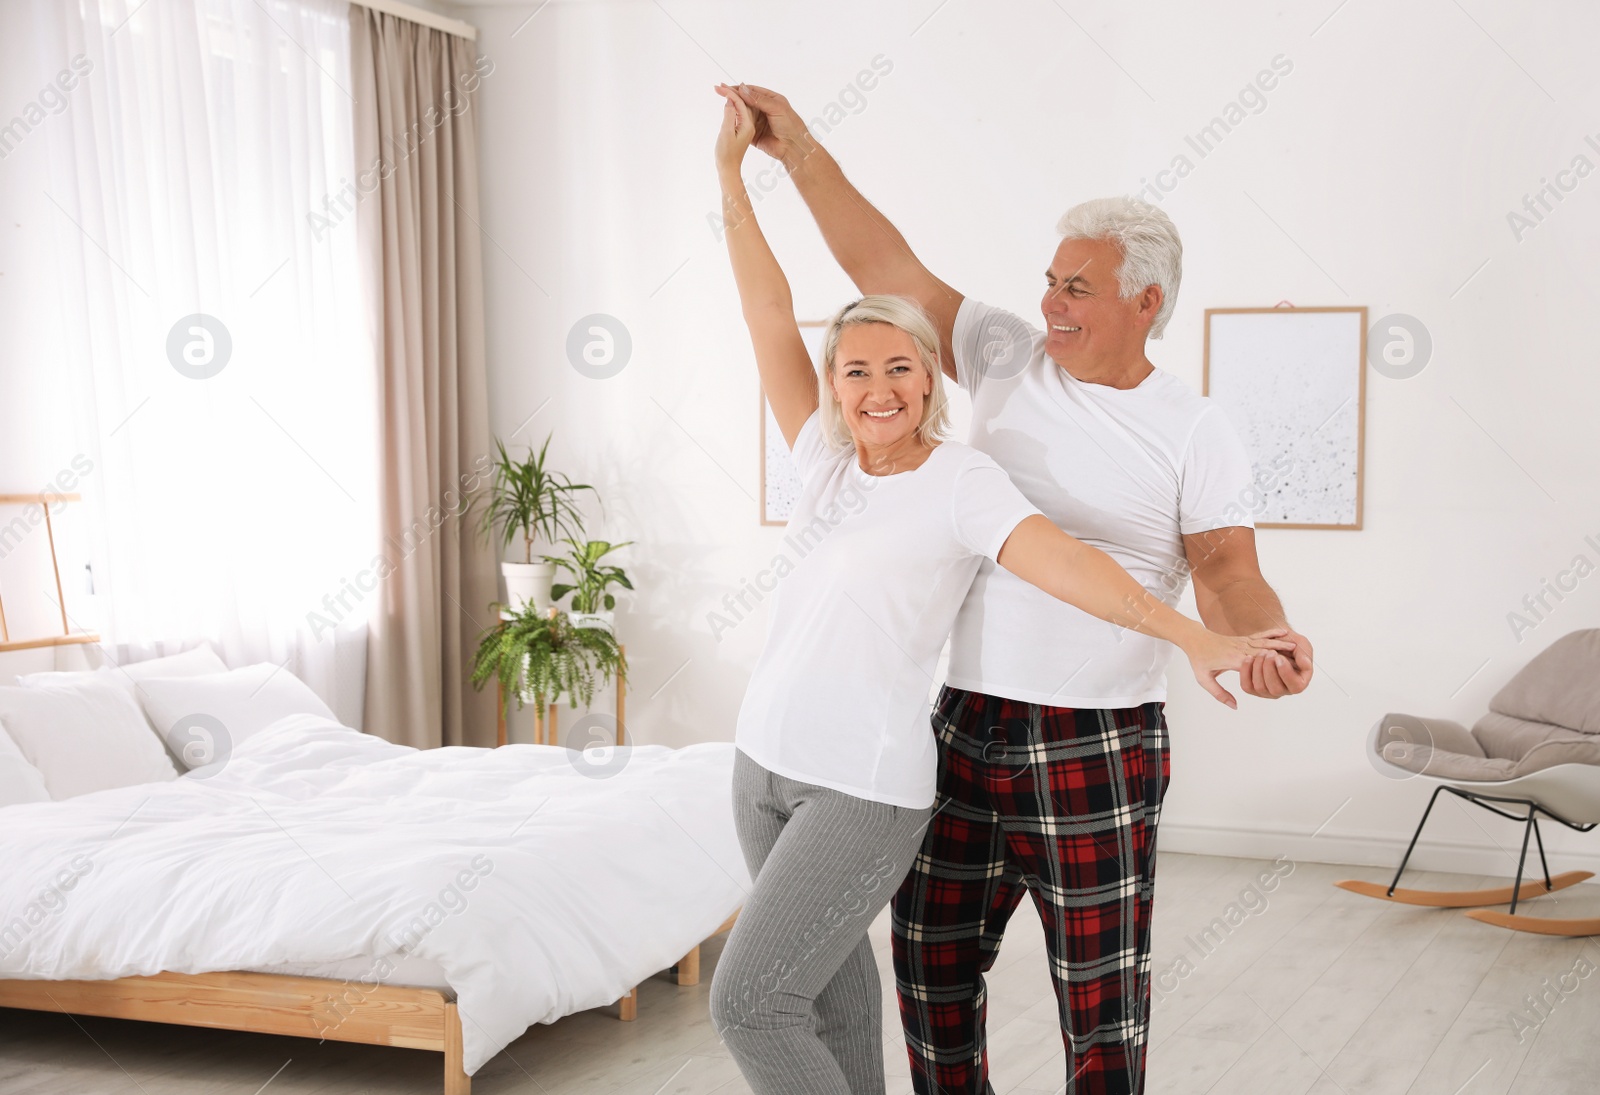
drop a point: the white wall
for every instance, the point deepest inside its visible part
(1387, 161)
(1380, 172)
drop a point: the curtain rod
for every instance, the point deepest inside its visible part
(418, 15)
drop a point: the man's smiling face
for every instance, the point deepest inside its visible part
(1090, 331)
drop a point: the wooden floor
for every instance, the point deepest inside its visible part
(1313, 991)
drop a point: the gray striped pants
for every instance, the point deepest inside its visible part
(796, 995)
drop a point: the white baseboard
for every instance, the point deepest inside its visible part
(1357, 849)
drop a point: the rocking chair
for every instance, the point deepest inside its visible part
(1535, 754)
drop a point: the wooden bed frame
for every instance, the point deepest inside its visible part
(300, 1007)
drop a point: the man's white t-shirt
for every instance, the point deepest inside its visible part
(1127, 471)
(880, 567)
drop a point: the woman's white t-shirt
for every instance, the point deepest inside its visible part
(880, 567)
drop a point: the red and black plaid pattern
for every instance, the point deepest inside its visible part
(1060, 803)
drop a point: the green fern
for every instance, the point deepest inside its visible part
(543, 657)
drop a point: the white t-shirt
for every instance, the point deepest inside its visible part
(1127, 471)
(880, 566)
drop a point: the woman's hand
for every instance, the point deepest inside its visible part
(738, 129)
(1211, 654)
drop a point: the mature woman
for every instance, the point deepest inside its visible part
(835, 770)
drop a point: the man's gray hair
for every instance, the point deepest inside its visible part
(1152, 253)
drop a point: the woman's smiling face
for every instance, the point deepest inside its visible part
(880, 383)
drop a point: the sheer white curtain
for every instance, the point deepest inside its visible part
(223, 382)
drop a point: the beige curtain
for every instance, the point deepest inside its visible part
(417, 215)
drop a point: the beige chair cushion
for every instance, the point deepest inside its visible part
(1442, 764)
(1435, 747)
(1552, 753)
(1548, 714)
(1560, 687)
(1511, 738)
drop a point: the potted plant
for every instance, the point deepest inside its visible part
(539, 657)
(527, 499)
(592, 603)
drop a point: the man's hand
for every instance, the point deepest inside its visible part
(1272, 676)
(779, 131)
(871, 251)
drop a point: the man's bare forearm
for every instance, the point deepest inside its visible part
(867, 247)
(1243, 606)
(870, 249)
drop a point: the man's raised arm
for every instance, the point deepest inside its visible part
(869, 249)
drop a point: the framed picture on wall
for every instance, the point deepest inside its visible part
(40, 532)
(1293, 382)
(780, 483)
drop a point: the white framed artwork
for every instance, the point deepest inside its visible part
(1293, 383)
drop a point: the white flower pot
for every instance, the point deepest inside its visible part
(527, 693)
(528, 583)
(603, 621)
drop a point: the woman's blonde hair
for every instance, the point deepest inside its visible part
(906, 315)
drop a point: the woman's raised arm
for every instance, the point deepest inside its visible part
(787, 374)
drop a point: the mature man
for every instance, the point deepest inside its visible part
(1052, 735)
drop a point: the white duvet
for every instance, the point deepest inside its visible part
(537, 889)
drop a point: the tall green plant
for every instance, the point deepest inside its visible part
(590, 578)
(542, 657)
(526, 497)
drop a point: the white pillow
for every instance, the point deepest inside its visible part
(87, 737)
(202, 718)
(190, 663)
(19, 780)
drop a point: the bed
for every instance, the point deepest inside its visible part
(324, 883)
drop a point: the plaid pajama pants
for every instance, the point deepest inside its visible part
(1060, 803)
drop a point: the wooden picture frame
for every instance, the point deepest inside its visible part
(1244, 368)
(68, 637)
(778, 472)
